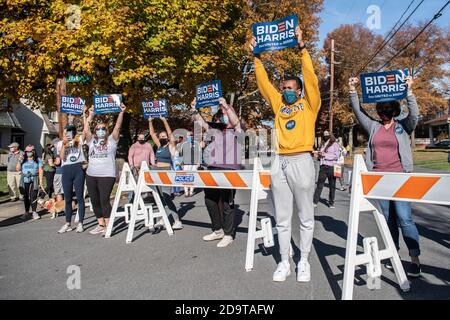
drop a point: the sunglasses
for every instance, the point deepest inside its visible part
(101, 129)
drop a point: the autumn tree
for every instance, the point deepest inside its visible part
(142, 48)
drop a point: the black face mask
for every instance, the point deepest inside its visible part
(163, 141)
(141, 141)
(385, 116)
(326, 138)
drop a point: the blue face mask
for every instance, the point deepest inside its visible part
(224, 119)
(290, 96)
(190, 139)
(101, 133)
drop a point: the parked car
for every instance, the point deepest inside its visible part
(443, 144)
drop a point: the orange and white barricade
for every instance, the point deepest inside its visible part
(367, 188)
(137, 210)
(257, 180)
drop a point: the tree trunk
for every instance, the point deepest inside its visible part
(350, 140)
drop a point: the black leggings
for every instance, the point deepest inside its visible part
(220, 206)
(99, 189)
(49, 176)
(29, 196)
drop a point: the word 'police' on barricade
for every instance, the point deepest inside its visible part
(384, 86)
(208, 94)
(109, 103)
(155, 109)
(275, 35)
(71, 105)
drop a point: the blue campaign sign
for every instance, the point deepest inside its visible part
(109, 103)
(208, 94)
(384, 86)
(71, 105)
(155, 109)
(275, 35)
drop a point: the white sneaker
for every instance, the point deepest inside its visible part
(36, 216)
(177, 225)
(97, 230)
(79, 228)
(225, 242)
(216, 235)
(303, 271)
(282, 272)
(65, 228)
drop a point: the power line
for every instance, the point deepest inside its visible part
(389, 36)
(436, 16)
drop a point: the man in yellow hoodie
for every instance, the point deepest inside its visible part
(292, 172)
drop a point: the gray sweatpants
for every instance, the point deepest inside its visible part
(292, 178)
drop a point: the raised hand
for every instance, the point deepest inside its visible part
(299, 35)
(352, 83)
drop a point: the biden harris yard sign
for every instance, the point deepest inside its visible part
(208, 94)
(155, 109)
(384, 86)
(109, 103)
(71, 105)
(275, 35)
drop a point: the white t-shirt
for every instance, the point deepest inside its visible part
(102, 158)
(72, 155)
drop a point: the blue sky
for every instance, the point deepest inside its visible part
(338, 12)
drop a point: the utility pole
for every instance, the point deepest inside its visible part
(331, 86)
(62, 117)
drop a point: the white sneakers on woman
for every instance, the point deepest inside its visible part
(67, 228)
(97, 230)
(215, 235)
(225, 240)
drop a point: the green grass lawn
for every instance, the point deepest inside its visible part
(4, 193)
(432, 159)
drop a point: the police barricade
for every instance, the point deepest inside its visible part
(137, 210)
(256, 180)
(367, 188)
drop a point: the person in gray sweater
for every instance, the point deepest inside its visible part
(389, 150)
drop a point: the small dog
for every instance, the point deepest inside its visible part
(54, 207)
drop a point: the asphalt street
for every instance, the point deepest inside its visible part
(34, 259)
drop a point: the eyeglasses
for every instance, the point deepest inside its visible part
(101, 129)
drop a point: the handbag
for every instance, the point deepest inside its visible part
(337, 171)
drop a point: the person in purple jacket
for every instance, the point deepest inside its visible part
(328, 155)
(223, 152)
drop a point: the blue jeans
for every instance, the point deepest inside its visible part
(398, 214)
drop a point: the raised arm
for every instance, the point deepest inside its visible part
(116, 131)
(310, 80)
(268, 91)
(364, 120)
(87, 134)
(232, 116)
(153, 133)
(196, 116)
(410, 122)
